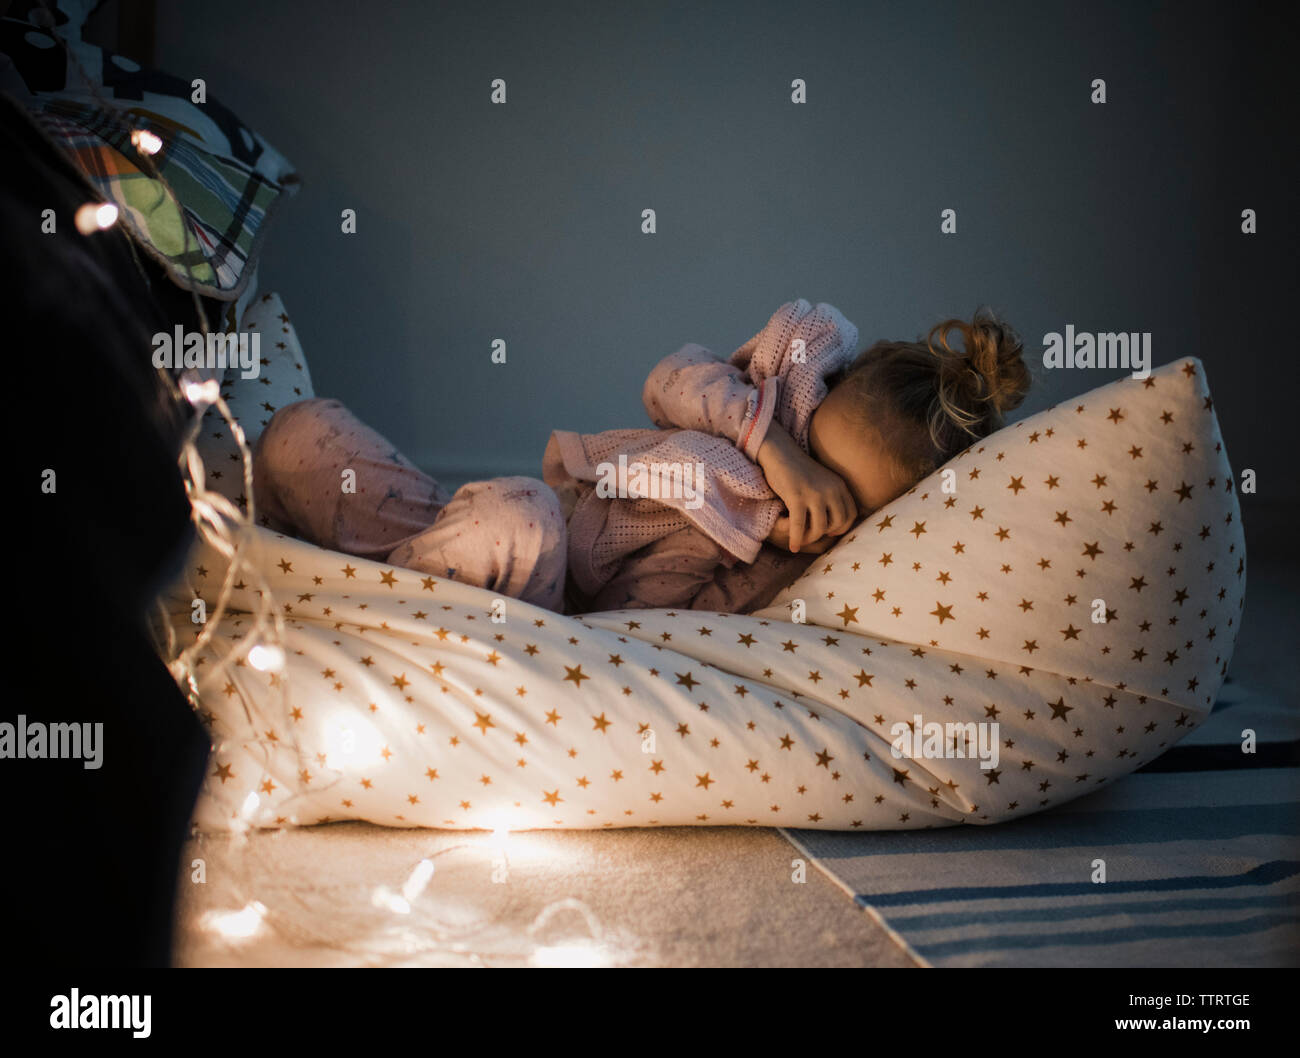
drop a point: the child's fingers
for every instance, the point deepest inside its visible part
(817, 519)
(839, 520)
(798, 516)
(780, 534)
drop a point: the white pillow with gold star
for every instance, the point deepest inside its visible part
(1100, 540)
(282, 378)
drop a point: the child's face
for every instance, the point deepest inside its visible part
(840, 444)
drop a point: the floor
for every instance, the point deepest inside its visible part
(353, 894)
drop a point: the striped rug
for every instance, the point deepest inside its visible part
(1201, 851)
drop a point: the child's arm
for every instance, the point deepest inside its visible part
(737, 399)
(693, 390)
(819, 503)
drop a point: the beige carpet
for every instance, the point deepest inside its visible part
(353, 894)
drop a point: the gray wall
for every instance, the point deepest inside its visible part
(522, 221)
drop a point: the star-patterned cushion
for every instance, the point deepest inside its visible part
(1100, 540)
(404, 702)
(283, 378)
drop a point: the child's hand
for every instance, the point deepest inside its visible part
(819, 503)
(780, 537)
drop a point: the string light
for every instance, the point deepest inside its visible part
(266, 657)
(145, 141)
(419, 879)
(226, 529)
(413, 925)
(240, 925)
(218, 522)
(95, 216)
(200, 392)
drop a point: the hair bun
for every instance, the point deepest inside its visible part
(985, 377)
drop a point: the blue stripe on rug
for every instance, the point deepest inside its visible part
(1074, 829)
(1265, 874)
(1057, 912)
(1129, 934)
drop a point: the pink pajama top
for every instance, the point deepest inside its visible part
(712, 414)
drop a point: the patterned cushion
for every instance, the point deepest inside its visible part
(1100, 540)
(407, 705)
(227, 178)
(283, 378)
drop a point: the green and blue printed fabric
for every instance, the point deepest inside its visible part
(225, 178)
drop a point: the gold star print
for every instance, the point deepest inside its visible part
(599, 723)
(349, 572)
(483, 721)
(944, 613)
(285, 566)
(848, 614)
(686, 680)
(223, 773)
(575, 674)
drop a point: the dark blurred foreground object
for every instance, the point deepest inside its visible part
(91, 872)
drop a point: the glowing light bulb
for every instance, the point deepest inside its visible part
(95, 216)
(250, 804)
(266, 657)
(390, 901)
(198, 391)
(236, 925)
(419, 879)
(145, 141)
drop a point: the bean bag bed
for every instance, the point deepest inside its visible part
(1043, 615)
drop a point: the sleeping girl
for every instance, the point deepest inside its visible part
(755, 466)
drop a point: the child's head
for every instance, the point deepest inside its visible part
(903, 409)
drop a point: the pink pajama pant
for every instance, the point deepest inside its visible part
(507, 535)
